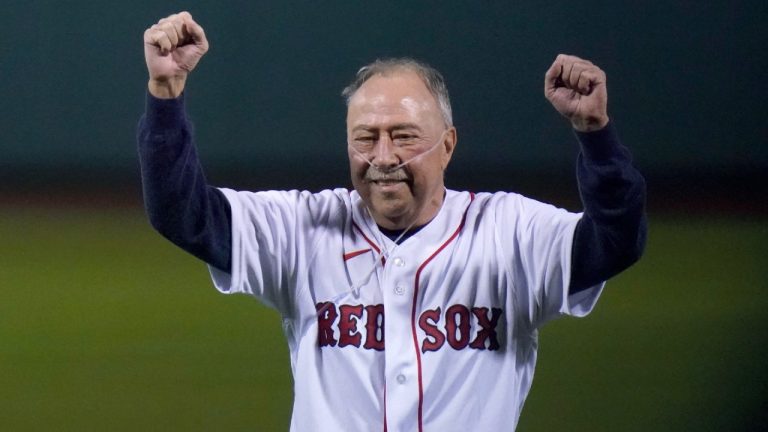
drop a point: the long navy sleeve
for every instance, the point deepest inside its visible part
(197, 217)
(179, 202)
(612, 232)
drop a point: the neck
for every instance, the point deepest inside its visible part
(400, 235)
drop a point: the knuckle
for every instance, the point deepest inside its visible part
(156, 36)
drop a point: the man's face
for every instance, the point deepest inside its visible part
(390, 120)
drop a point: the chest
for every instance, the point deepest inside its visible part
(451, 293)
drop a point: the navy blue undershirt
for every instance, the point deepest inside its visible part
(395, 234)
(195, 216)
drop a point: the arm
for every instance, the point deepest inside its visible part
(612, 232)
(180, 204)
(178, 200)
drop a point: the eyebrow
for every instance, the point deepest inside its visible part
(395, 127)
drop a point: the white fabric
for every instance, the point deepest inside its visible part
(501, 251)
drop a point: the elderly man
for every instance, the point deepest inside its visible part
(406, 306)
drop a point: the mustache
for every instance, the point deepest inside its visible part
(377, 174)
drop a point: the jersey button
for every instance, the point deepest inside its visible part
(399, 289)
(398, 262)
(401, 378)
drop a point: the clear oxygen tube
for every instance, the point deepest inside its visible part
(354, 289)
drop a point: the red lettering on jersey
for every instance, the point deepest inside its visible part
(488, 328)
(459, 326)
(348, 326)
(325, 322)
(457, 339)
(373, 326)
(438, 339)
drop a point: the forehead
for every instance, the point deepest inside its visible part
(397, 96)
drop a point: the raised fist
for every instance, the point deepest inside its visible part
(577, 90)
(172, 48)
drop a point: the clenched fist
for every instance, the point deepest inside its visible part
(172, 48)
(577, 90)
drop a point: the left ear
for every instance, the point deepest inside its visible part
(449, 144)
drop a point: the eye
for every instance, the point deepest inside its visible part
(405, 139)
(363, 142)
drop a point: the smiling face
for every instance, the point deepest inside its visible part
(392, 119)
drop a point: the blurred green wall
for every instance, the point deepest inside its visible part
(686, 83)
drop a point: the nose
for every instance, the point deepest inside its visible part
(384, 156)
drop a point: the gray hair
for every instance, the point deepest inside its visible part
(430, 76)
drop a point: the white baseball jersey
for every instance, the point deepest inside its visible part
(442, 335)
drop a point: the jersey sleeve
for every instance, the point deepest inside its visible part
(273, 232)
(539, 241)
(263, 247)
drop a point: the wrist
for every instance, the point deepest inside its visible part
(589, 124)
(601, 146)
(166, 88)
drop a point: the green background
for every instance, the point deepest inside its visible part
(106, 326)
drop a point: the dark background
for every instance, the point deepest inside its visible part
(104, 325)
(686, 89)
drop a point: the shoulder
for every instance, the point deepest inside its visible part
(489, 201)
(299, 201)
(510, 206)
(295, 195)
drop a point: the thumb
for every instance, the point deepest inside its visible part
(552, 77)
